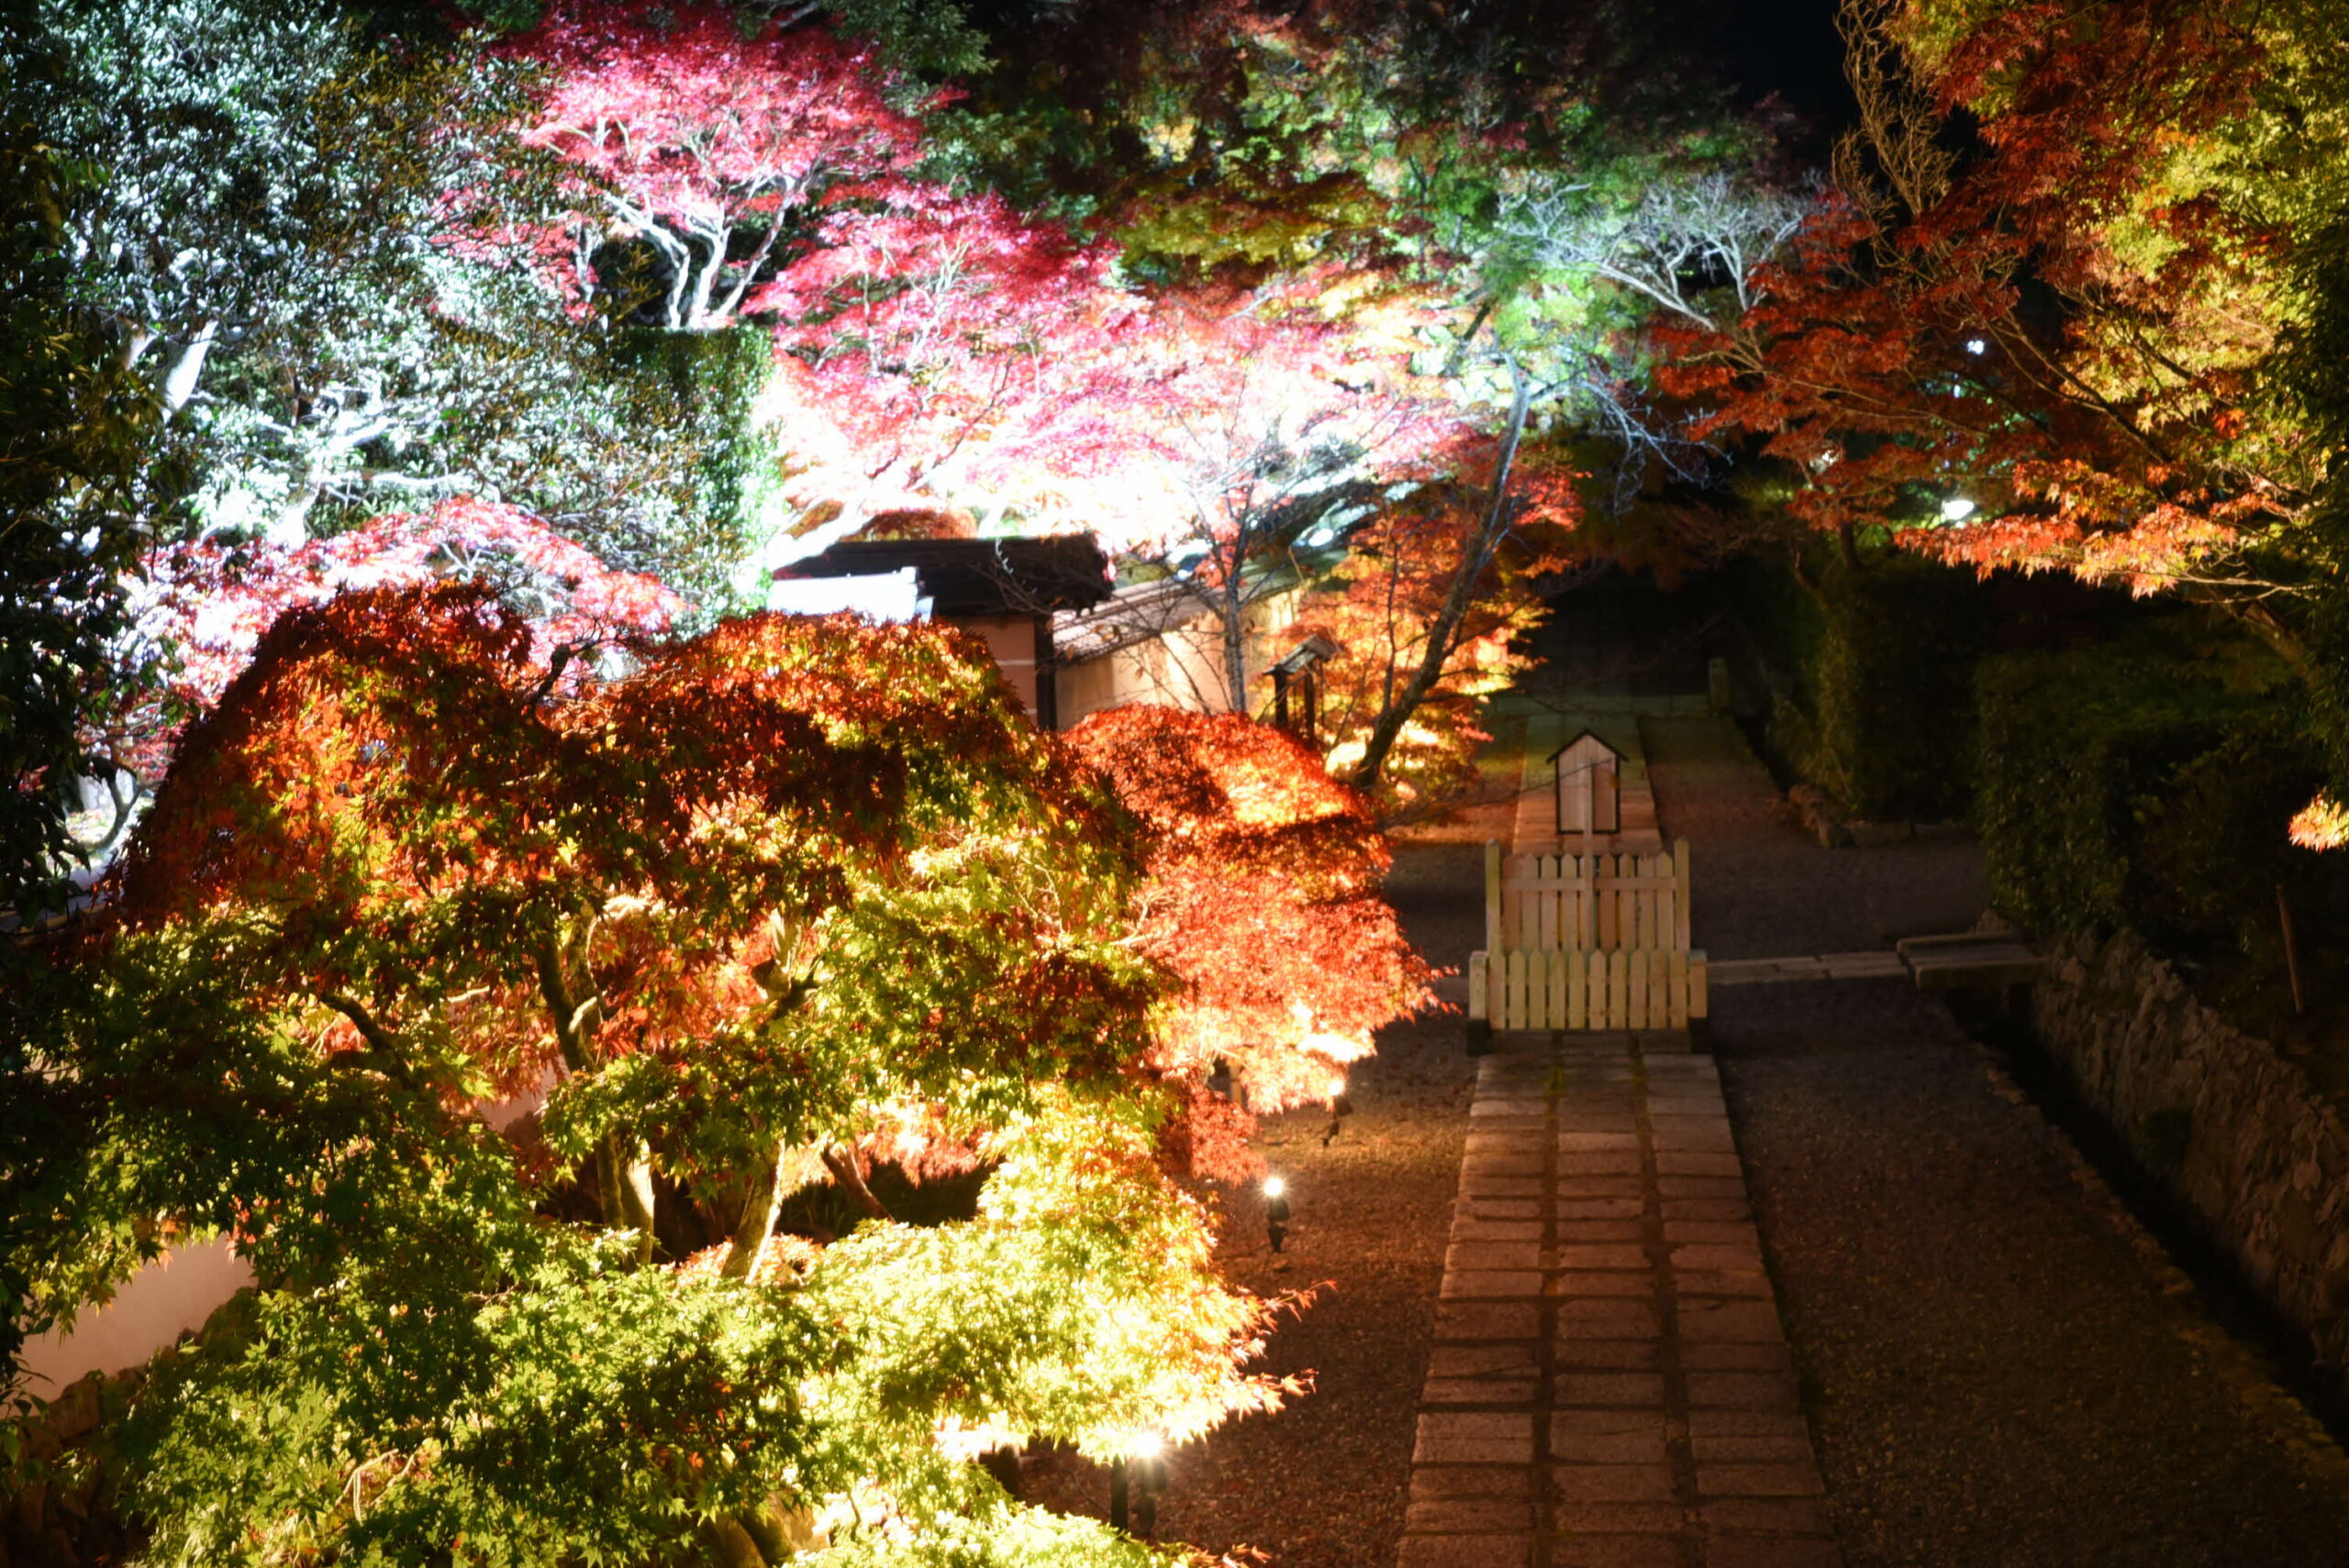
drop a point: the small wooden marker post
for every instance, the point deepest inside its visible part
(1589, 786)
(2291, 953)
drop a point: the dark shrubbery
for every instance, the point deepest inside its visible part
(2146, 784)
(1881, 658)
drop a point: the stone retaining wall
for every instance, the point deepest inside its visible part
(2238, 1132)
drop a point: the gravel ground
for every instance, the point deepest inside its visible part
(1321, 1483)
(1995, 1375)
(1763, 889)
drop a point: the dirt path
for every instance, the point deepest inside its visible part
(1993, 1373)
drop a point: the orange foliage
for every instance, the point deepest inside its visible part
(2064, 331)
(1263, 897)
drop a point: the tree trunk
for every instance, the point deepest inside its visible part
(841, 1163)
(759, 1210)
(1444, 632)
(637, 1196)
(1235, 630)
(187, 368)
(730, 1545)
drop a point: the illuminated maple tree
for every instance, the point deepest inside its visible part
(2051, 355)
(197, 610)
(787, 895)
(1400, 668)
(1263, 898)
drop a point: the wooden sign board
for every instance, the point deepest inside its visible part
(1589, 784)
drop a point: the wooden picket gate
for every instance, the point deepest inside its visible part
(1587, 941)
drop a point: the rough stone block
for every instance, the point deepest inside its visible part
(1742, 1322)
(1471, 1282)
(1477, 1437)
(1794, 1479)
(1578, 1187)
(1479, 1391)
(1746, 1423)
(1642, 1390)
(1673, 1187)
(1486, 1321)
(1699, 1257)
(1778, 1449)
(1474, 1183)
(1737, 1357)
(1481, 1163)
(1619, 1518)
(1616, 1552)
(1677, 1163)
(1601, 1255)
(1464, 1552)
(1496, 1516)
(1599, 1318)
(1591, 1142)
(1769, 1551)
(1640, 1285)
(1607, 1355)
(1611, 1482)
(1525, 1254)
(1471, 1480)
(1617, 1437)
(1741, 1390)
(1476, 1227)
(1600, 1162)
(1767, 1516)
(1600, 1208)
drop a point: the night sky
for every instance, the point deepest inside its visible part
(1789, 48)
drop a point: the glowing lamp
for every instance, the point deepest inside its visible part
(1977, 345)
(1275, 1211)
(1956, 509)
(1135, 1483)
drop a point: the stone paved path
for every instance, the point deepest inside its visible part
(1609, 1386)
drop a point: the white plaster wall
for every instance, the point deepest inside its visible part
(168, 1297)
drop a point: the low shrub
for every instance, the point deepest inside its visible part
(1878, 705)
(2146, 784)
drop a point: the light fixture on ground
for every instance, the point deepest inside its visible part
(1135, 1483)
(1956, 509)
(1275, 1211)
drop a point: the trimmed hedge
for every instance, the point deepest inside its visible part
(2145, 784)
(1882, 659)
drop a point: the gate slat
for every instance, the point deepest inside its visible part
(1548, 922)
(1660, 905)
(1587, 900)
(1680, 892)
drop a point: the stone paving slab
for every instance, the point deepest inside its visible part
(1610, 1385)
